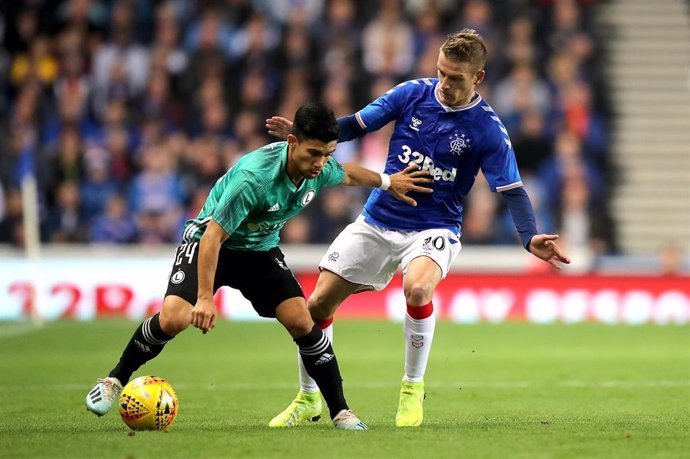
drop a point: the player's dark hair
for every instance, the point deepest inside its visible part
(465, 46)
(315, 121)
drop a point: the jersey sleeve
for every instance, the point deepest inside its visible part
(384, 109)
(499, 164)
(242, 194)
(332, 174)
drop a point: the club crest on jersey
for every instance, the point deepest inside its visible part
(308, 197)
(416, 122)
(458, 143)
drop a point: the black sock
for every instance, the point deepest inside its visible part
(319, 360)
(146, 343)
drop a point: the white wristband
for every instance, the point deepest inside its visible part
(385, 181)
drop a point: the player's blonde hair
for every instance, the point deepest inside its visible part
(465, 46)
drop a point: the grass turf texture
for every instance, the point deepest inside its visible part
(509, 390)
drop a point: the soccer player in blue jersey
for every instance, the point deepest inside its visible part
(234, 242)
(446, 128)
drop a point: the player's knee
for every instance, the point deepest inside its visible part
(174, 320)
(173, 324)
(299, 327)
(318, 308)
(419, 293)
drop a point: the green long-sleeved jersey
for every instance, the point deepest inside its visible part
(255, 198)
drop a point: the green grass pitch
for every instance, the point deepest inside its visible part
(493, 391)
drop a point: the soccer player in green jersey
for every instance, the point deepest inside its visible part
(234, 242)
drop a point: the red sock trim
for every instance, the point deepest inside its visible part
(325, 324)
(421, 312)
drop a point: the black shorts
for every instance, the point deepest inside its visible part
(262, 277)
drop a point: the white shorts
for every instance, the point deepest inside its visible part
(369, 255)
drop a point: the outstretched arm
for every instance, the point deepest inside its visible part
(400, 184)
(349, 128)
(540, 245)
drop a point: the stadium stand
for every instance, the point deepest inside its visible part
(127, 112)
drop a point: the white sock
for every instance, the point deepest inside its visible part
(419, 333)
(306, 383)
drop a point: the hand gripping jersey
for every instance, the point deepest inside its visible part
(254, 199)
(452, 143)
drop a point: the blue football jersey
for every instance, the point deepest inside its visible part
(452, 143)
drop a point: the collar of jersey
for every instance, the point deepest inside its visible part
(459, 108)
(283, 167)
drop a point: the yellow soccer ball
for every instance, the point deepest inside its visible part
(148, 403)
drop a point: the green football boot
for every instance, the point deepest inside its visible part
(411, 407)
(304, 408)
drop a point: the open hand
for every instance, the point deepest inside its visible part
(408, 180)
(279, 127)
(543, 246)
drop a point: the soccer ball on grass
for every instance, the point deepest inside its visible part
(148, 403)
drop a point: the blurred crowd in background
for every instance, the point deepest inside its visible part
(129, 111)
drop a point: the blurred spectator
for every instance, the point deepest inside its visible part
(478, 219)
(62, 163)
(335, 212)
(575, 210)
(117, 143)
(37, 64)
(167, 54)
(530, 142)
(416, 8)
(90, 16)
(121, 66)
(520, 47)
(114, 225)
(296, 230)
(521, 90)
(72, 85)
(205, 164)
(156, 195)
(427, 30)
(671, 260)
(21, 28)
(3, 207)
(98, 184)
(575, 113)
(284, 10)
(11, 225)
(64, 222)
(374, 146)
(387, 41)
(567, 158)
(479, 15)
